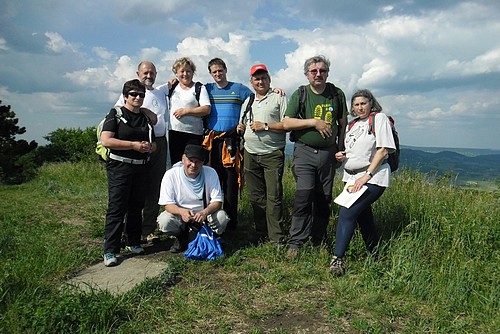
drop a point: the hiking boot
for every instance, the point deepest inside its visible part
(292, 253)
(178, 246)
(153, 238)
(136, 249)
(337, 266)
(110, 259)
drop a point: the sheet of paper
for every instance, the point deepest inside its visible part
(348, 198)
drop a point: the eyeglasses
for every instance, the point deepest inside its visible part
(135, 94)
(315, 71)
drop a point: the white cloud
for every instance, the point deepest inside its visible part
(376, 71)
(484, 63)
(3, 44)
(103, 53)
(57, 44)
(428, 63)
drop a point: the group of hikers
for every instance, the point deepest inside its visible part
(223, 136)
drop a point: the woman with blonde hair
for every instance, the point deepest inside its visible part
(186, 111)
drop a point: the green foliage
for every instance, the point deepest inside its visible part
(436, 270)
(70, 145)
(17, 165)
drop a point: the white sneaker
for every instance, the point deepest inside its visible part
(136, 249)
(110, 259)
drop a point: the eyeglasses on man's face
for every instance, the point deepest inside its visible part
(315, 71)
(135, 94)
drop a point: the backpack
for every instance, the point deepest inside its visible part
(248, 109)
(333, 94)
(393, 158)
(197, 92)
(103, 152)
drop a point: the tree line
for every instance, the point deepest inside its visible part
(20, 159)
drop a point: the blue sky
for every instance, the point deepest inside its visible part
(434, 65)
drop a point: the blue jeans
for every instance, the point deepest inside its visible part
(361, 213)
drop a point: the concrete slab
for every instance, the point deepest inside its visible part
(120, 279)
(130, 271)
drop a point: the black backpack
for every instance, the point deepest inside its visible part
(393, 158)
(197, 92)
(248, 109)
(332, 93)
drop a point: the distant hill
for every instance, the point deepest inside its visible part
(467, 168)
(465, 164)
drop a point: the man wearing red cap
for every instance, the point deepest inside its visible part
(318, 131)
(262, 126)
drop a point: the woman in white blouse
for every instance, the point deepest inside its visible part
(367, 143)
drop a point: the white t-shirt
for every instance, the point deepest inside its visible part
(173, 190)
(360, 147)
(156, 100)
(187, 99)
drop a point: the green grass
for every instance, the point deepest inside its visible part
(437, 271)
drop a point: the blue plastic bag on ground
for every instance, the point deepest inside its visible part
(204, 247)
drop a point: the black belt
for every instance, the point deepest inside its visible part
(356, 171)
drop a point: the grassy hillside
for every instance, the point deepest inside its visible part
(438, 269)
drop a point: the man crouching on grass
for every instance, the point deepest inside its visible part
(191, 193)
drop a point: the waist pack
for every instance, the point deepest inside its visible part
(204, 247)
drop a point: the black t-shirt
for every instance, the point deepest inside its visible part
(132, 127)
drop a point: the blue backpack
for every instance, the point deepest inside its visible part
(204, 247)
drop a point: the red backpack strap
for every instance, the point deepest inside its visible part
(371, 122)
(351, 123)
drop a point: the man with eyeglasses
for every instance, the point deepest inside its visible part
(156, 100)
(318, 132)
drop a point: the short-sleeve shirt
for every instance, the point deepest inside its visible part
(134, 129)
(225, 105)
(320, 107)
(187, 99)
(156, 100)
(270, 109)
(361, 146)
(174, 191)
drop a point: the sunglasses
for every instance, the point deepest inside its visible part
(135, 94)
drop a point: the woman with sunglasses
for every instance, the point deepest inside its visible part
(128, 134)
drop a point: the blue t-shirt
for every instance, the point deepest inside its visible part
(226, 105)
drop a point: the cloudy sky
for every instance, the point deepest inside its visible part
(434, 65)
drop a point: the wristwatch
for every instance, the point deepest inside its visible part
(266, 127)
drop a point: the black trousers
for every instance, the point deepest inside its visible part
(177, 142)
(127, 186)
(228, 178)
